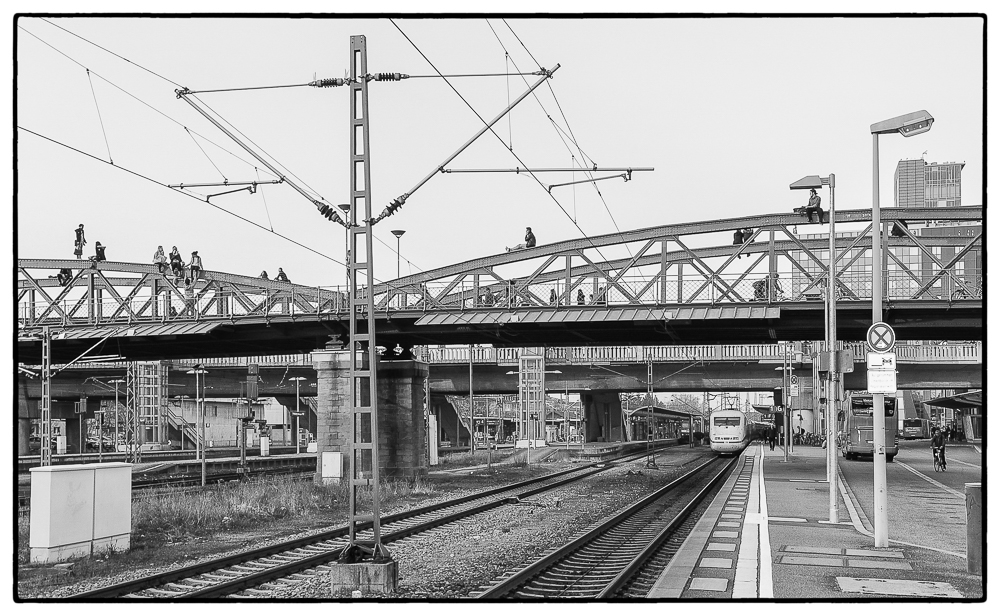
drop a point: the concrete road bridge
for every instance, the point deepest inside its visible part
(684, 283)
(721, 367)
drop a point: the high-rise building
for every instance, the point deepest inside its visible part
(922, 184)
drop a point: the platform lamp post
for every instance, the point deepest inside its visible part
(832, 376)
(398, 233)
(907, 125)
(297, 412)
(116, 382)
(199, 369)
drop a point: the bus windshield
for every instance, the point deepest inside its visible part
(726, 421)
(912, 423)
(862, 405)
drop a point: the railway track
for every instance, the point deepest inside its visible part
(243, 572)
(611, 557)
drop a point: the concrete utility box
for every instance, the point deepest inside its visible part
(433, 441)
(265, 446)
(332, 466)
(80, 509)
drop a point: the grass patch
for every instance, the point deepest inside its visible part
(179, 515)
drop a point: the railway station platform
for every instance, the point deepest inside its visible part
(767, 535)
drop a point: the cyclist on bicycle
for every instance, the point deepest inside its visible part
(938, 445)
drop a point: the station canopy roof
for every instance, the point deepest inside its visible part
(969, 399)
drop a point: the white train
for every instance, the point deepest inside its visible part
(729, 431)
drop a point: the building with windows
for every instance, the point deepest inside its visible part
(922, 184)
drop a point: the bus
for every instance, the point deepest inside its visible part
(856, 427)
(916, 428)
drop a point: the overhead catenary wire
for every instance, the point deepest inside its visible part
(198, 196)
(129, 94)
(489, 127)
(572, 137)
(110, 52)
(181, 192)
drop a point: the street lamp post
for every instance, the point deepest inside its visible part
(199, 369)
(832, 378)
(398, 233)
(907, 125)
(297, 412)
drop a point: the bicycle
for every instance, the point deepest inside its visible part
(939, 463)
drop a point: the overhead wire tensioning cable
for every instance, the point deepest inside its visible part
(268, 212)
(101, 119)
(207, 156)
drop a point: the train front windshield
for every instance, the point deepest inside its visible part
(723, 422)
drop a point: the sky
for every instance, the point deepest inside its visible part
(729, 111)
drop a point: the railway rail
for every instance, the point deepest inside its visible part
(603, 561)
(244, 571)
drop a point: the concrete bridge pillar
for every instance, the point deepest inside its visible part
(402, 432)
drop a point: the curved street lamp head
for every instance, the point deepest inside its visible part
(906, 125)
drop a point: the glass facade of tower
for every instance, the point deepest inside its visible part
(922, 184)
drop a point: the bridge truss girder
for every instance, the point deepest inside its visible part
(665, 267)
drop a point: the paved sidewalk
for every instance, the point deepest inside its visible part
(767, 535)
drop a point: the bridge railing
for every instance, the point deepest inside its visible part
(690, 289)
(210, 306)
(961, 352)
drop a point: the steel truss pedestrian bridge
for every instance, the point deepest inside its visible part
(684, 283)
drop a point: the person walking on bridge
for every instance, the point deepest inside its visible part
(79, 243)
